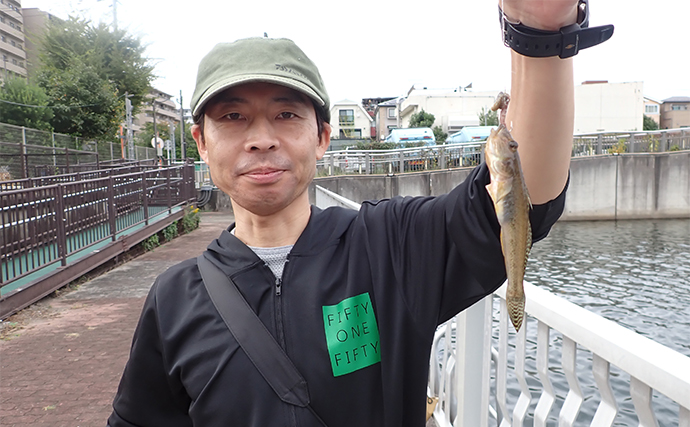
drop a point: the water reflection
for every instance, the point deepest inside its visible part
(636, 273)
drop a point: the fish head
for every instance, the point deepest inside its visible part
(500, 152)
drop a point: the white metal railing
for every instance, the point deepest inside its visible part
(585, 338)
(444, 156)
(462, 380)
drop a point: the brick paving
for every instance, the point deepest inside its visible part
(62, 366)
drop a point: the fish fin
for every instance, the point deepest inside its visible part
(516, 312)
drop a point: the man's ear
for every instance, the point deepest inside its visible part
(200, 142)
(324, 141)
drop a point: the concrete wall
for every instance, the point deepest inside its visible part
(631, 186)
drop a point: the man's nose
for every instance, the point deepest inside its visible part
(261, 136)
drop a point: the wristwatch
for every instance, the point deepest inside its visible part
(566, 42)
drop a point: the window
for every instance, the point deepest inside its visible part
(346, 117)
(391, 113)
(679, 107)
(651, 109)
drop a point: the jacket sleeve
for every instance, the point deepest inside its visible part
(147, 395)
(443, 253)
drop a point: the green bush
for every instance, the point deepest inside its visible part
(151, 243)
(170, 232)
(190, 220)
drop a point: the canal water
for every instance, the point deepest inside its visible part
(635, 273)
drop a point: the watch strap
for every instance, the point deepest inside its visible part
(565, 43)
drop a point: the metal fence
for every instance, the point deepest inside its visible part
(26, 152)
(401, 160)
(46, 228)
(563, 359)
(446, 156)
(631, 142)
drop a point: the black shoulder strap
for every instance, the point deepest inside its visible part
(252, 335)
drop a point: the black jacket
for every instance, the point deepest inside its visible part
(356, 310)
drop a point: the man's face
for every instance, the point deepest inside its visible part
(261, 143)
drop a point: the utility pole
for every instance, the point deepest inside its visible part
(130, 132)
(171, 155)
(115, 14)
(155, 128)
(183, 145)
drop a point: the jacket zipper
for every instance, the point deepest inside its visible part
(280, 329)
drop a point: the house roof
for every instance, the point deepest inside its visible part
(346, 102)
(677, 99)
(389, 103)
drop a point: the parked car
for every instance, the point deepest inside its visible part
(470, 134)
(412, 137)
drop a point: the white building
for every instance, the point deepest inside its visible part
(603, 106)
(350, 120)
(452, 108)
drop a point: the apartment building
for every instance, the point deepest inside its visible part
(164, 107)
(675, 113)
(12, 43)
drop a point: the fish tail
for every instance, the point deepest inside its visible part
(516, 311)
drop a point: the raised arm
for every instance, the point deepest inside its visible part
(541, 111)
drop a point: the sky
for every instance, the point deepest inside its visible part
(367, 49)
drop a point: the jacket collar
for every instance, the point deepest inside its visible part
(325, 227)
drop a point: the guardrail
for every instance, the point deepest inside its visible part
(584, 339)
(52, 234)
(447, 156)
(465, 381)
(655, 141)
(401, 160)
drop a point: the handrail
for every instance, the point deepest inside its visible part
(443, 156)
(80, 224)
(651, 366)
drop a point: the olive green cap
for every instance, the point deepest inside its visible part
(277, 61)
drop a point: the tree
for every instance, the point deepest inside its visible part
(488, 118)
(84, 104)
(192, 150)
(439, 134)
(116, 56)
(73, 52)
(422, 120)
(649, 123)
(33, 111)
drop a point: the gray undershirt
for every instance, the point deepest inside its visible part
(275, 258)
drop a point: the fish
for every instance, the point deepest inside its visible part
(512, 205)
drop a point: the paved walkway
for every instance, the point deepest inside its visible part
(62, 366)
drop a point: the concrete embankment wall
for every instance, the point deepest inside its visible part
(629, 186)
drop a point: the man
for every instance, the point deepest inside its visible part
(353, 298)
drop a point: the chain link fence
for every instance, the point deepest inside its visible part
(28, 153)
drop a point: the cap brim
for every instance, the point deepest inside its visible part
(249, 78)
